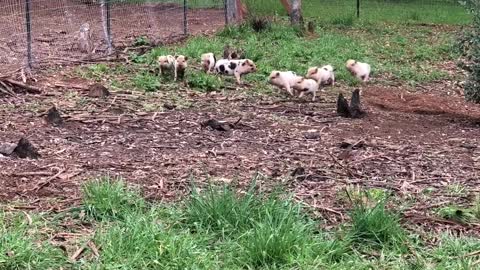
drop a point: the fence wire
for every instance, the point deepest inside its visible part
(71, 30)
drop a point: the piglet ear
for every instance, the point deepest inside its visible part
(278, 74)
(176, 56)
(186, 58)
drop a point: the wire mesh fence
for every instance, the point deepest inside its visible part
(41, 32)
(36, 32)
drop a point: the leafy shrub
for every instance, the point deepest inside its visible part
(472, 85)
(205, 82)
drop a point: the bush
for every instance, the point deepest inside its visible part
(472, 85)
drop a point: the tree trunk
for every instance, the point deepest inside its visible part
(296, 14)
(287, 6)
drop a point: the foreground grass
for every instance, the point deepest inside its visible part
(219, 229)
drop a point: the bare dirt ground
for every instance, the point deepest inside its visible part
(409, 144)
(55, 28)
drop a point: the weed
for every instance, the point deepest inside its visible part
(141, 41)
(107, 199)
(376, 227)
(146, 81)
(456, 214)
(204, 82)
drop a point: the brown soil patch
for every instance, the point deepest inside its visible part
(400, 150)
(421, 103)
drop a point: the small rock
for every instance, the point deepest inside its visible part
(7, 148)
(312, 135)
(99, 91)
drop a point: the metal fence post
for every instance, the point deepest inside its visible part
(358, 8)
(29, 32)
(185, 22)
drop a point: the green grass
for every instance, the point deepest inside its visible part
(107, 199)
(400, 53)
(218, 228)
(371, 11)
(376, 227)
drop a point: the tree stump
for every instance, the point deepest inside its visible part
(25, 149)
(342, 106)
(53, 117)
(353, 110)
(99, 91)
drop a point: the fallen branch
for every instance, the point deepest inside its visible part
(48, 180)
(29, 88)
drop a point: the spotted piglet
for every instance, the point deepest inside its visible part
(307, 86)
(359, 69)
(208, 62)
(284, 80)
(323, 75)
(236, 68)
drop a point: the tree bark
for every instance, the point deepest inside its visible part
(296, 14)
(287, 6)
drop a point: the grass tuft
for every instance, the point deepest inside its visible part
(376, 227)
(23, 247)
(110, 199)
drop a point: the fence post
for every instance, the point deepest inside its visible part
(358, 8)
(185, 19)
(225, 9)
(29, 32)
(105, 9)
(231, 11)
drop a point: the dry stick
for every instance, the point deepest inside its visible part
(349, 172)
(29, 219)
(20, 174)
(6, 89)
(48, 180)
(94, 248)
(30, 89)
(77, 253)
(475, 253)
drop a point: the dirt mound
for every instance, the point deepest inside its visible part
(394, 99)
